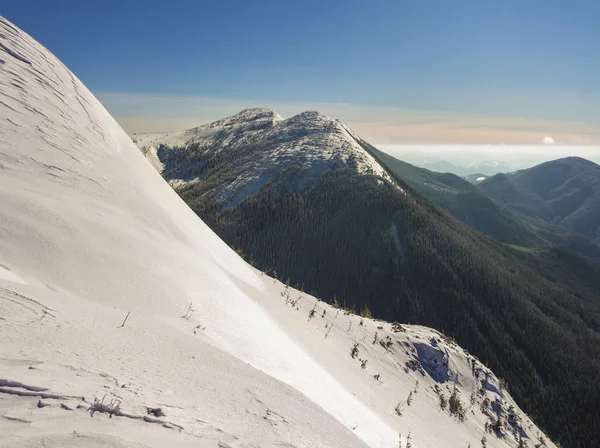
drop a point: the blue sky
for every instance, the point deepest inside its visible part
(511, 59)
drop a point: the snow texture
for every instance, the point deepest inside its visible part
(310, 141)
(126, 322)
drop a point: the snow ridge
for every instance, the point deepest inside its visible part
(116, 301)
(94, 231)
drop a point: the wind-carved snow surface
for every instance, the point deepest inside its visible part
(310, 142)
(126, 322)
(85, 215)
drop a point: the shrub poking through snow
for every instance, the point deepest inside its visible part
(363, 363)
(409, 399)
(187, 314)
(485, 406)
(366, 312)
(397, 327)
(111, 408)
(157, 412)
(354, 351)
(496, 425)
(512, 418)
(473, 398)
(386, 343)
(413, 365)
(312, 312)
(456, 406)
(399, 409)
(443, 401)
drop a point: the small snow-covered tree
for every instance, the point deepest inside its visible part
(456, 406)
(443, 402)
(366, 312)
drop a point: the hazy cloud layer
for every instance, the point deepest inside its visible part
(515, 156)
(378, 124)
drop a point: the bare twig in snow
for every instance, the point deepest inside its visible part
(123, 324)
(188, 313)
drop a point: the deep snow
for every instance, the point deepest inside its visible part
(90, 232)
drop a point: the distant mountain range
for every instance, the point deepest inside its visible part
(309, 201)
(483, 168)
(564, 193)
(504, 207)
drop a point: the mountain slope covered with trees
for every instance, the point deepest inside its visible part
(479, 207)
(564, 193)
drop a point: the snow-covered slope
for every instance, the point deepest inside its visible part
(125, 322)
(257, 145)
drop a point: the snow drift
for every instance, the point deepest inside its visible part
(125, 321)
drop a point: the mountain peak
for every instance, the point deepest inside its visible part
(256, 113)
(311, 115)
(264, 145)
(573, 160)
(247, 119)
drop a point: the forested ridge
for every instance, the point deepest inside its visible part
(563, 192)
(503, 220)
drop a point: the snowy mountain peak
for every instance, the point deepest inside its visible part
(244, 121)
(261, 144)
(254, 114)
(310, 116)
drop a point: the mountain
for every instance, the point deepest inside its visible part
(236, 156)
(564, 193)
(496, 218)
(463, 200)
(126, 322)
(305, 199)
(483, 168)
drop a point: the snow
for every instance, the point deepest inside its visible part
(480, 178)
(112, 289)
(311, 141)
(152, 156)
(6, 274)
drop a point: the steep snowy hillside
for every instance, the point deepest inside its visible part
(126, 322)
(257, 145)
